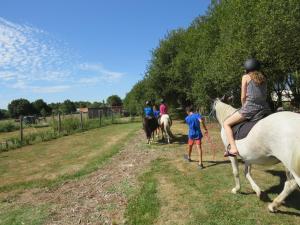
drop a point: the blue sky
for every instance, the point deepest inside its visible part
(82, 49)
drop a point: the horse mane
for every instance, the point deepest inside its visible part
(223, 111)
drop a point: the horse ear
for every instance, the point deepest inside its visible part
(223, 98)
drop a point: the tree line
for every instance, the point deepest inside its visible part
(39, 107)
(205, 61)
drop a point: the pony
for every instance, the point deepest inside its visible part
(273, 139)
(165, 124)
(150, 125)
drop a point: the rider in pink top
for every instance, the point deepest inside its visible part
(163, 108)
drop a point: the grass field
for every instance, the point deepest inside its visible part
(42, 163)
(142, 184)
(175, 192)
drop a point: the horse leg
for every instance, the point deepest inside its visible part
(250, 179)
(235, 170)
(153, 134)
(168, 128)
(167, 132)
(289, 186)
(162, 131)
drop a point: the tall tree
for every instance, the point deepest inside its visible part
(39, 106)
(114, 100)
(205, 60)
(20, 107)
(67, 107)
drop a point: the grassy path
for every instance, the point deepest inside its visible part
(68, 156)
(98, 197)
(124, 181)
(181, 194)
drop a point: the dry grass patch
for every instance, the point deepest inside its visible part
(59, 157)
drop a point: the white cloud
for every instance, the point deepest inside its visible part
(50, 89)
(21, 85)
(31, 60)
(101, 73)
(7, 75)
(27, 53)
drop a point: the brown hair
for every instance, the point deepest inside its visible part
(257, 77)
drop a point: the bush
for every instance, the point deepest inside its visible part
(8, 126)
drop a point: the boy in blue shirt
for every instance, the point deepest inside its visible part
(149, 114)
(195, 135)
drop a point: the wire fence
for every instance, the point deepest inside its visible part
(57, 126)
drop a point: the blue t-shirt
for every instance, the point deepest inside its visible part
(156, 113)
(194, 126)
(148, 111)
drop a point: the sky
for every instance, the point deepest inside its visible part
(82, 49)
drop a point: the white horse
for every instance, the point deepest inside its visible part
(273, 139)
(165, 124)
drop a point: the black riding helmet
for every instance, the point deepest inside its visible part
(162, 100)
(148, 103)
(251, 65)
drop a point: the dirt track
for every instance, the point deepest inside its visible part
(101, 197)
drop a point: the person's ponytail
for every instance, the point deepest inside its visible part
(257, 77)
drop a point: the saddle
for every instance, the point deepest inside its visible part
(241, 130)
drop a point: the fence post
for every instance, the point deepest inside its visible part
(59, 123)
(99, 115)
(81, 123)
(21, 129)
(112, 117)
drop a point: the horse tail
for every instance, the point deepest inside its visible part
(296, 162)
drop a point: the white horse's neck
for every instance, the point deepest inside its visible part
(223, 111)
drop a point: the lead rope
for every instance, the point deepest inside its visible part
(209, 139)
(212, 146)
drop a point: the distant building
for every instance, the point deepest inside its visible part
(103, 111)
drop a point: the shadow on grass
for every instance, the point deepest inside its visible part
(178, 139)
(292, 201)
(215, 163)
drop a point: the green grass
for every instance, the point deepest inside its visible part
(59, 155)
(176, 192)
(25, 214)
(71, 157)
(144, 207)
(170, 190)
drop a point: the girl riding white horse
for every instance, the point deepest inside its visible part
(165, 121)
(253, 99)
(273, 139)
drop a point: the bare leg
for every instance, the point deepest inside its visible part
(289, 186)
(228, 123)
(199, 148)
(250, 179)
(190, 148)
(235, 170)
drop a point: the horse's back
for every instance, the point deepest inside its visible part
(276, 135)
(283, 121)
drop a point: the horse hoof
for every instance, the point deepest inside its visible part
(258, 194)
(234, 191)
(272, 208)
